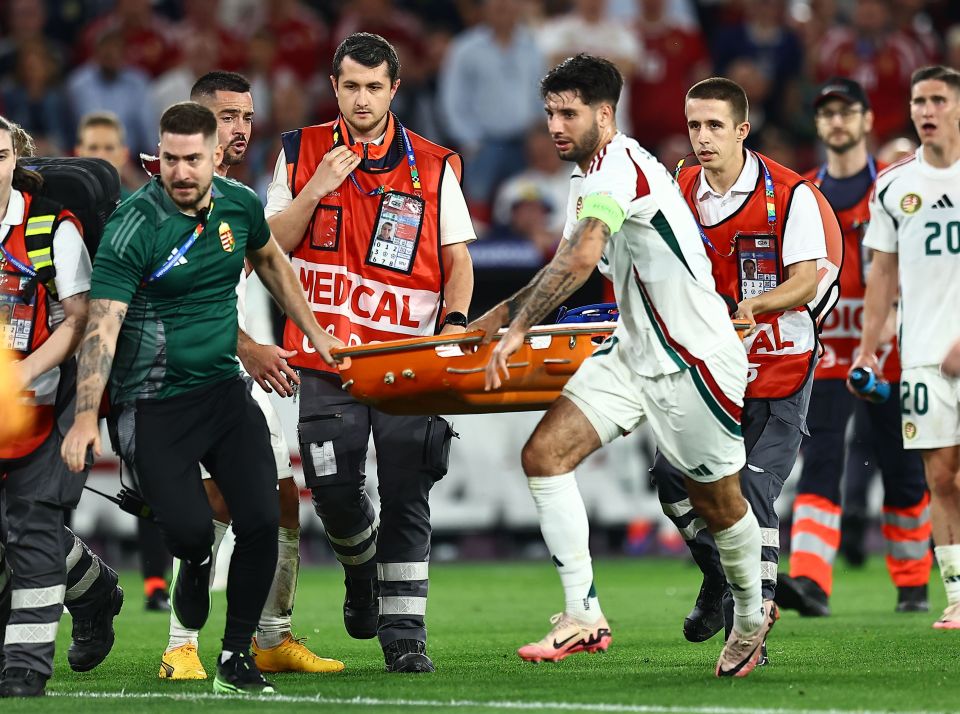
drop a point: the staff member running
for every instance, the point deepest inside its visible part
(171, 255)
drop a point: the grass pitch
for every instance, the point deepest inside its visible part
(863, 658)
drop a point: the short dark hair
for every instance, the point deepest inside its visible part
(593, 79)
(188, 118)
(724, 90)
(936, 72)
(369, 50)
(219, 81)
(107, 119)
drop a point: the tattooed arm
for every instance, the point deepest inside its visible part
(569, 269)
(61, 344)
(96, 359)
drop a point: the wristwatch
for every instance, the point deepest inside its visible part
(457, 319)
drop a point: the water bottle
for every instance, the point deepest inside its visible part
(869, 386)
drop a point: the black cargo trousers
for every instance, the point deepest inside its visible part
(412, 454)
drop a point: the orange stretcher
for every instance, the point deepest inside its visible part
(444, 374)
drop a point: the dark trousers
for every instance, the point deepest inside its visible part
(772, 431)
(221, 426)
(412, 454)
(35, 552)
(878, 443)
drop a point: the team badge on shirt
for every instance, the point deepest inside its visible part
(909, 430)
(227, 241)
(910, 203)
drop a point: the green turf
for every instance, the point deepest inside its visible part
(864, 657)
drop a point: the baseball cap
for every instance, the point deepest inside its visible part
(842, 88)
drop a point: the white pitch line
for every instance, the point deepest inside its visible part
(466, 703)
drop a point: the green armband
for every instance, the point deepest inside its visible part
(604, 208)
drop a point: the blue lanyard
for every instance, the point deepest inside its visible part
(411, 164)
(26, 269)
(771, 207)
(822, 173)
(182, 250)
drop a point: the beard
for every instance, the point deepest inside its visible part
(841, 147)
(233, 156)
(191, 203)
(584, 148)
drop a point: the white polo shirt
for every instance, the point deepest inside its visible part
(803, 237)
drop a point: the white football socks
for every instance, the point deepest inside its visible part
(274, 625)
(566, 531)
(948, 557)
(180, 635)
(739, 547)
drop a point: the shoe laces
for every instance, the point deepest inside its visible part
(245, 670)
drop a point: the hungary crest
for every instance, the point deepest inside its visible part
(227, 241)
(910, 203)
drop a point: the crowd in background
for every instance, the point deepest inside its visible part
(470, 76)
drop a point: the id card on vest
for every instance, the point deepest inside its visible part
(396, 232)
(758, 263)
(17, 316)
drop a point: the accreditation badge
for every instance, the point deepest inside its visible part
(227, 241)
(396, 232)
(758, 263)
(17, 316)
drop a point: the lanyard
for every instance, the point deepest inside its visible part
(182, 250)
(822, 173)
(26, 269)
(771, 207)
(411, 164)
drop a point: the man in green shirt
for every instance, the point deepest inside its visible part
(163, 328)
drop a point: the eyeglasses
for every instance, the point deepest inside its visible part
(845, 113)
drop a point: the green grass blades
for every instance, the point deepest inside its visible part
(864, 657)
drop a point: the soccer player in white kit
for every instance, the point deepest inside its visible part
(674, 361)
(914, 232)
(228, 96)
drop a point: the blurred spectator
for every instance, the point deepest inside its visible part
(25, 21)
(674, 148)
(587, 29)
(896, 149)
(772, 48)
(879, 57)
(952, 47)
(202, 18)
(677, 12)
(100, 136)
(291, 111)
(812, 22)
(201, 53)
(674, 58)
(490, 97)
(147, 37)
(35, 100)
(261, 51)
(300, 38)
(746, 72)
(106, 84)
(525, 241)
(546, 173)
(398, 27)
(910, 17)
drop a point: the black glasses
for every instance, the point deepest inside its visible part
(845, 113)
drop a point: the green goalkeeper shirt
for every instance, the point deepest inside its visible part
(180, 330)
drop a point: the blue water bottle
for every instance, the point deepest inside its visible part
(869, 386)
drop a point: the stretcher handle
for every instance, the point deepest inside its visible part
(467, 338)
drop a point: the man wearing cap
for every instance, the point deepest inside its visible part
(843, 121)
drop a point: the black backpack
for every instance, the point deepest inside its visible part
(88, 188)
